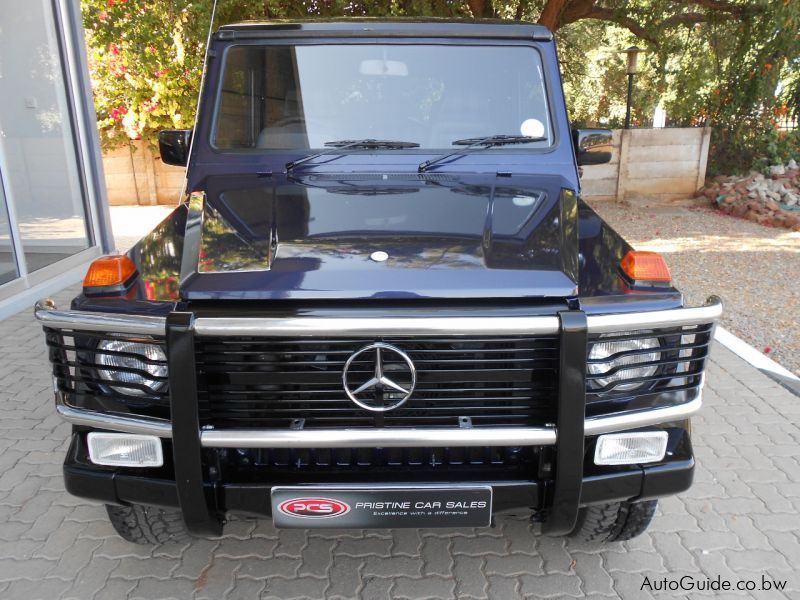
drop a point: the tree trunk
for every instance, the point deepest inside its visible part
(551, 13)
(481, 8)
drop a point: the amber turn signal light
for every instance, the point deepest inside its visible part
(109, 271)
(645, 266)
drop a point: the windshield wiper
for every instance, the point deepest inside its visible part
(476, 143)
(344, 144)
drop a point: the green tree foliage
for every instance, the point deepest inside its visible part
(146, 60)
(146, 56)
(739, 74)
(734, 64)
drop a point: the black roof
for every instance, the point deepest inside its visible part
(383, 27)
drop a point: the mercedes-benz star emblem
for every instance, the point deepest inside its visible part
(379, 377)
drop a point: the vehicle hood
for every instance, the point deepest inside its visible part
(359, 236)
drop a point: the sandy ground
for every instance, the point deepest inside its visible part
(754, 269)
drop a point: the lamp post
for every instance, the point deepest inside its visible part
(633, 68)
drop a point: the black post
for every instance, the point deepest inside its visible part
(628, 108)
(566, 495)
(194, 497)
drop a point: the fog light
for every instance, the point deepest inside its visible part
(630, 448)
(125, 450)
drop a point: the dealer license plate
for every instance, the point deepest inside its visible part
(311, 507)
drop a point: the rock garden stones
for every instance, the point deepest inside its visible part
(773, 200)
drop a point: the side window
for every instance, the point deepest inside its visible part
(283, 123)
(259, 105)
(235, 127)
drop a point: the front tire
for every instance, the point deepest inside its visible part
(142, 524)
(614, 522)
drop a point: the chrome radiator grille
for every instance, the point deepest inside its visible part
(279, 382)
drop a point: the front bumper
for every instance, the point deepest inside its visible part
(158, 486)
(571, 485)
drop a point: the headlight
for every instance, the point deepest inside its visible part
(605, 350)
(121, 358)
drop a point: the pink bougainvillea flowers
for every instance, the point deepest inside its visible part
(118, 113)
(149, 105)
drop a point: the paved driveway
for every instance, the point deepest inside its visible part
(739, 521)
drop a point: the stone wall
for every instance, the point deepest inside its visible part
(651, 164)
(645, 163)
(134, 175)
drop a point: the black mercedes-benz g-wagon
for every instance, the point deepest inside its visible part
(381, 303)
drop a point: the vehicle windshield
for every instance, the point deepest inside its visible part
(300, 97)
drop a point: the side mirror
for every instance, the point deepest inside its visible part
(592, 146)
(173, 145)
